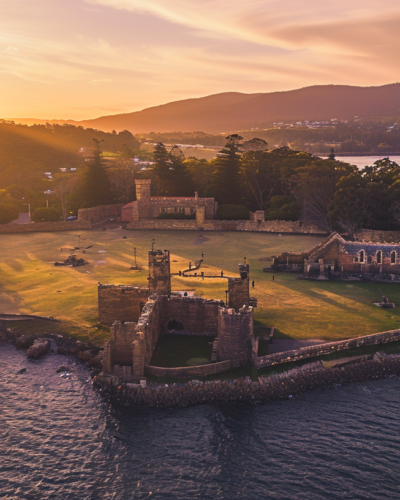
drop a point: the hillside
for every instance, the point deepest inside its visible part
(234, 111)
(27, 152)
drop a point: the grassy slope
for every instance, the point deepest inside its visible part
(30, 283)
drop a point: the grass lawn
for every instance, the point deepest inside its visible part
(182, 350)
(30, 283)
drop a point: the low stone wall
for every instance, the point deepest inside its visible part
(44, 227)
(100, 213)
(274, 226)
(373, 236)
(291, 383)
(328, 348)
(188, 371)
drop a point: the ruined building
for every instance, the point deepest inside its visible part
(139, 315)
(336, 258)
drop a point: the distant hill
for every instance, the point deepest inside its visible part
(233, 111)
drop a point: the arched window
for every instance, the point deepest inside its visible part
(379, 257)
(362, 256)
(393, 257)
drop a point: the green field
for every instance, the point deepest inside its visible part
(30, 283)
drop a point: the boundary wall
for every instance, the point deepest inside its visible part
(188, 371)
(44, 227)
(375, 236)
(100, 213)
(274, 226)
(328, 348)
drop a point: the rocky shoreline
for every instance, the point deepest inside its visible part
(285, 385)
(293, 382)
(38, 345)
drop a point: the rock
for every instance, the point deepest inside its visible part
(23, 370)
(86, 355)
(63, 368)
(25, 341)
(39, 347)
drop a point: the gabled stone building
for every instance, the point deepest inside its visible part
(147, 207)
(337, 258)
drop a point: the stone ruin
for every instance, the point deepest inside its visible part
(72, 261)
(140, 315)
(336, 258)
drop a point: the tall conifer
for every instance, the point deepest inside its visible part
(96, 185)
(227, 178)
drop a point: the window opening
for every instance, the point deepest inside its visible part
(175, 325)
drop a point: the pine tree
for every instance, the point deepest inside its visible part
(96, 185)
(173, 175)
(227, 178)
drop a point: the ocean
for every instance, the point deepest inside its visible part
(60, 440)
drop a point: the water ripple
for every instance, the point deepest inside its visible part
(60, 440)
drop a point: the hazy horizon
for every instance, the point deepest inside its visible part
(84, 59)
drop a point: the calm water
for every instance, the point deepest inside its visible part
(58, 439)
(363, 161)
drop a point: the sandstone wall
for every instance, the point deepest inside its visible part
(100, 213)
(198, 316)
(147, 333)
(187, 205)
(188, 371)
(375, 236)
(118, 351)
(225, 225)
(346, 262)
(235, 335)
(121, 303)
(328, 348)
(45, 227)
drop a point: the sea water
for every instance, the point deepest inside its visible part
(59, 439)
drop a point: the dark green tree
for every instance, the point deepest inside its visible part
(8, 212)
(227, 182)
(314, 187)
(96, 186)
(174, 177)
(350, 208)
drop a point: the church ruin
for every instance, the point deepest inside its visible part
(336, 258)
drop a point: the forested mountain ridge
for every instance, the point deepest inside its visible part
(232, 111)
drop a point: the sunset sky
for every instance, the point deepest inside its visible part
(86, 58)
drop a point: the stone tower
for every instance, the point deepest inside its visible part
(238, 288)
(235, 335)
(142, 207)
(159, 272)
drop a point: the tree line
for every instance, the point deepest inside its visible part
(285, 183)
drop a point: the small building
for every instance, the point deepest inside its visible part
(150, 207)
